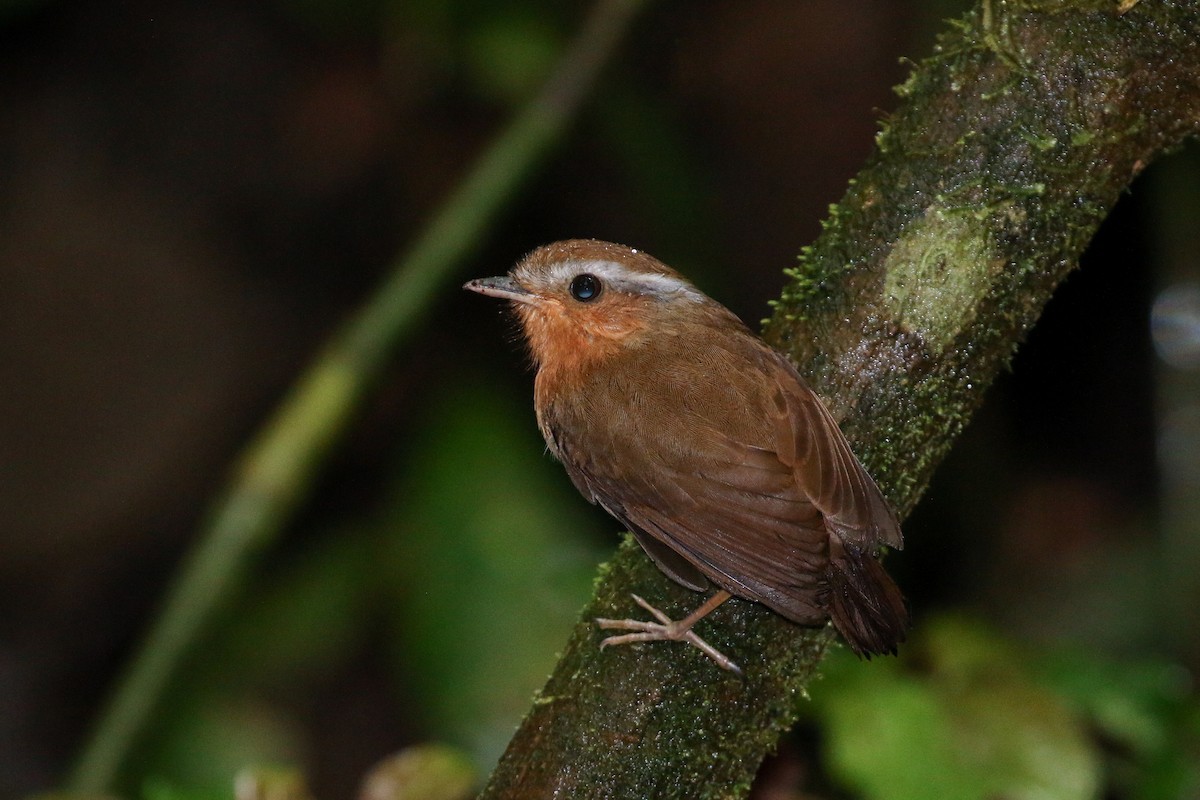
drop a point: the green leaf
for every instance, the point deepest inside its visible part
(975, 725)
(1148, 712)
(1132, 703)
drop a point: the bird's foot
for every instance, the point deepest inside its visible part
(665, 629)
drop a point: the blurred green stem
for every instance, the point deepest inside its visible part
(277, 469)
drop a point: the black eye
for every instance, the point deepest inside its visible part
(585, 287)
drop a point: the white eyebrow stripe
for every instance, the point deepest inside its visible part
(624, 279)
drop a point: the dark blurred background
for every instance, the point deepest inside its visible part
(193, 197)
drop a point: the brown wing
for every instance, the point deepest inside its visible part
(866, 605)
(826, 469)
(723, 523)
(739, 482)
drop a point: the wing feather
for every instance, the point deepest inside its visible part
(743, 489)
(825, 467)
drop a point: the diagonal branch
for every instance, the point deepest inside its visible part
(1013, 141)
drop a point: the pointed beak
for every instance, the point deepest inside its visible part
(503, 287)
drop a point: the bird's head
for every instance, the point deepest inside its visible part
(583, 300)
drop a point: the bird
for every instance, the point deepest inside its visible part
(705, 443)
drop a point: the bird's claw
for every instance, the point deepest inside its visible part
(665, 629)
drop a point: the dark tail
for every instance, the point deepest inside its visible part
(863, 600)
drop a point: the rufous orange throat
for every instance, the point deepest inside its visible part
(707, 444)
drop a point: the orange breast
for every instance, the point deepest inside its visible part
(567, 343)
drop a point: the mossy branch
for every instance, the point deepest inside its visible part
(1012, 143)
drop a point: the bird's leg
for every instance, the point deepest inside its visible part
(667, 629)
